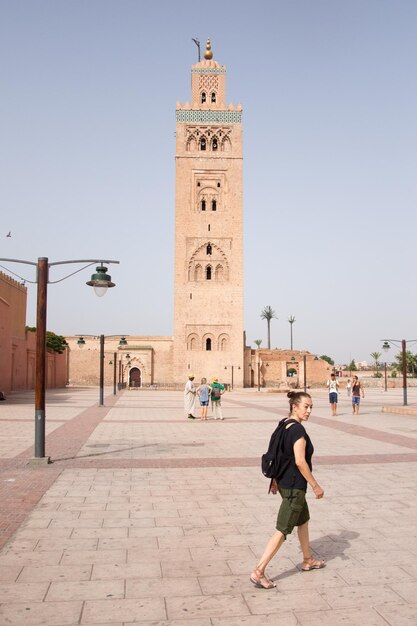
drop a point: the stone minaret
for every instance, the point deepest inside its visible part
(208, 307)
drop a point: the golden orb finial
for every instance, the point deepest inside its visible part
(208, 53)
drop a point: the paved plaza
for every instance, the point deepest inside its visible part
(145, 518)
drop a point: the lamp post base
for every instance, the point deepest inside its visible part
(38, 461)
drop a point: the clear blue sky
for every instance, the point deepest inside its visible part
(328, 87)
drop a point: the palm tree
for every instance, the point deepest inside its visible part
(376, 356)
(267, 314)
(257, 342)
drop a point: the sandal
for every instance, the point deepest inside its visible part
(312, 563)
(261, 581)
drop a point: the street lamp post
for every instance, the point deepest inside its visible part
(305, 372)
(291, 319)
(232, 368)
(114, 372)
(122, 342)
(386, 346)
(101, 281)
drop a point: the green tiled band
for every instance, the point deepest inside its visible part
(222, 117)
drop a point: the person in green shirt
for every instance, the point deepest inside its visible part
(217, 390)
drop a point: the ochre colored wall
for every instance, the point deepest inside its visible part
(151, 355)
(17, 346)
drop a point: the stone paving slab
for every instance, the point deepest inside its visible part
(159, 536)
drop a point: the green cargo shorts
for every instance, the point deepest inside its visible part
(293, 510)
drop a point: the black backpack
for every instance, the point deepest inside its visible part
(274, 462)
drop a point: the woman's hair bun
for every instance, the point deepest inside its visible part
(290, 394)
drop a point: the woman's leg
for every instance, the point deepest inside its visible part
(304, 540)
(309, 562)
(270, 551)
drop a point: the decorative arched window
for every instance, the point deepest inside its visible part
(192, 342)
(209, 249)
(198, 272)
(203, 97)
(214, 144)
(223, 344)
(191, 145)
(213, 96)
(219, 272)
(202, 143)
(203, 205)
(208, 344)
(213, 205)
(208, 272)
(226, 145)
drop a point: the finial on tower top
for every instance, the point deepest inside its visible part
(208, 53)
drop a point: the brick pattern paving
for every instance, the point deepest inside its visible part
(150, 521)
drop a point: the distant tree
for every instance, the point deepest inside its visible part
(411, 360)
(376, 356)
(352, 366)
(56, 343)
(257, 342)
(329, 360)
(267, 314)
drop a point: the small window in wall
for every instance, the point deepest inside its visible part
(214, 144)
(213, 205)
(218, 184)
(191, 296)
(202, 143)
(203, 205)
(198, 184)
(208, 344)
(213, 96)
(203, 97)
(208, 249)
(208, 272)
(208, 227)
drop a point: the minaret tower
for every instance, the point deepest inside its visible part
(208, 307)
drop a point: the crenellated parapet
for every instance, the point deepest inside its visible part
(12, 282)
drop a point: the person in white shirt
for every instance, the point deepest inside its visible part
(189, 397)
(333, 386)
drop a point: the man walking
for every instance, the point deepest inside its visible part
(357, 392)
(333, 386)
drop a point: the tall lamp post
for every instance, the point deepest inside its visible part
(232, 368)
(305, 372)
(122, 342)
(403, 342)
(291, 320)
(101, 281)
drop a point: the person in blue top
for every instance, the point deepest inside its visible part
(204, 392)
(292, 488)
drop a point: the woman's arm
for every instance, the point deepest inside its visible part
(301, 463)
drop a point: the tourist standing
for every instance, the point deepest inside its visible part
(292, 488)
(189, 397)
(357, 392)
(204, 392)
(348, 387)
(217, 390)
(333, 386)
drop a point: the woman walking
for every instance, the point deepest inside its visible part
(292, 488)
